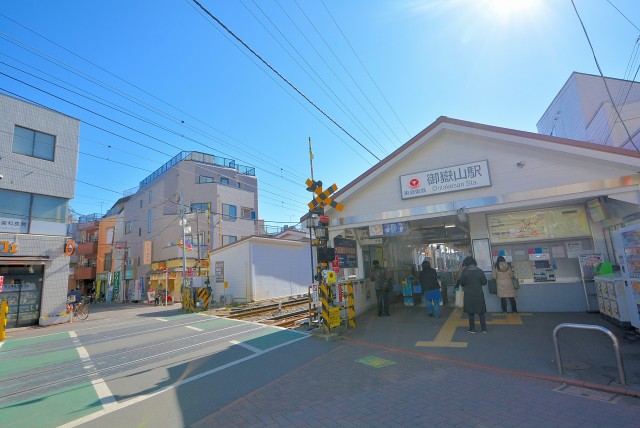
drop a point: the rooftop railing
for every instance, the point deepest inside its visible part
(198, 157)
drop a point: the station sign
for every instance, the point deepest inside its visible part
(448, 179)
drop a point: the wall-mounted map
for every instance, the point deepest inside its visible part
(550, 223)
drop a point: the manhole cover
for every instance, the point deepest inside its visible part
(606, 397)
(576, 365)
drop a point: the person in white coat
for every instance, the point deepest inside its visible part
(503, 273)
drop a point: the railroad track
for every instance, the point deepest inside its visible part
(282, 314)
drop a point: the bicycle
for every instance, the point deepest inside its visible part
(80, 310)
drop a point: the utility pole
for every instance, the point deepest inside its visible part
(184, 242)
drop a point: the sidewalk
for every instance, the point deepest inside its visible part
(515, 343)
(412, 370)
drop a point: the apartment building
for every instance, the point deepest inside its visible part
(597, 110)
(38, 161)
(192, 204)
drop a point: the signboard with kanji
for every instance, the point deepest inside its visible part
(219, 272)
(345, 250)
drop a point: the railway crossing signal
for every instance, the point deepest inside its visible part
(323, 197)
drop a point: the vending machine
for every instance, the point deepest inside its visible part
(627, 241)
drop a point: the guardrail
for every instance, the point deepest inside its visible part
(616, 346)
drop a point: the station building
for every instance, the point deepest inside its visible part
(460, 188)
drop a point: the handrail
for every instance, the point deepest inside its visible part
(616, 346)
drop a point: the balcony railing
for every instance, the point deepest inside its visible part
(87, 248)
(85, 272)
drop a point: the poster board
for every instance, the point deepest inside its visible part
(536, 225)
(482, 254)
(587, 264)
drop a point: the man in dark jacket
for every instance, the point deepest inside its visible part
(379, 279)
(428, 278)
(472, 278)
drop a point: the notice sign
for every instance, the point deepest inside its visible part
(219, 272)
(334, 317)
(345, 252)
(443, 180)
(146, 252)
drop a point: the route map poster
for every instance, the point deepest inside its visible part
(550, 223)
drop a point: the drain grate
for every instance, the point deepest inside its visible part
(591, 394)
(576, 365)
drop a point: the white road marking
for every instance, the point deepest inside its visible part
(194, 328)
(249, 347)
(99, 385)
(140, 398)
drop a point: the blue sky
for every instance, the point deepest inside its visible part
(151, 78)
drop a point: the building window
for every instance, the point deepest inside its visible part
(229, 212)
(140, 203)
(204, 179)
(128, 226)
(33, 143)
(198, 240)
(110, 234)
(108, 262)
(49, 208)
(139, 231)
(247, 213)
(149, 196)
(199, 207)
(149, 221)
(224, 180)
(138, 260)
(15, 205)
(228, 239)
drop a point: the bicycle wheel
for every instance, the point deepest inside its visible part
(83, 312)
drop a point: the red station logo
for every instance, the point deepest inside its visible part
(414, 183)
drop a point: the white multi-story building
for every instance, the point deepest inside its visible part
(38, 162)
(583, 110)
(210, 200)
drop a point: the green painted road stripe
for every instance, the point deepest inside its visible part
(52, 409)
(216, 323)
(12, 344)
(268, 338)
(31, 362)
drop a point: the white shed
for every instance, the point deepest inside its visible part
(259, 268)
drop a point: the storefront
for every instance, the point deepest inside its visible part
(35, 272)
(460, 188)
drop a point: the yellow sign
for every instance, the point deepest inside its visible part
(226, 284)
(334, 317)
(331, 277)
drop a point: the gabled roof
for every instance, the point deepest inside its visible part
(444, 123)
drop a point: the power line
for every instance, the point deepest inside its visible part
(365, 69)
(283, 78)
(613, 104)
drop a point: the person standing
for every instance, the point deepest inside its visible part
(503, 273)
(428, 278)
(379, 279)
(472, 278)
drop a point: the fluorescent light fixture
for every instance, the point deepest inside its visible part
(448, 226)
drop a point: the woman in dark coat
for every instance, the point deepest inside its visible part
(472, 278)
